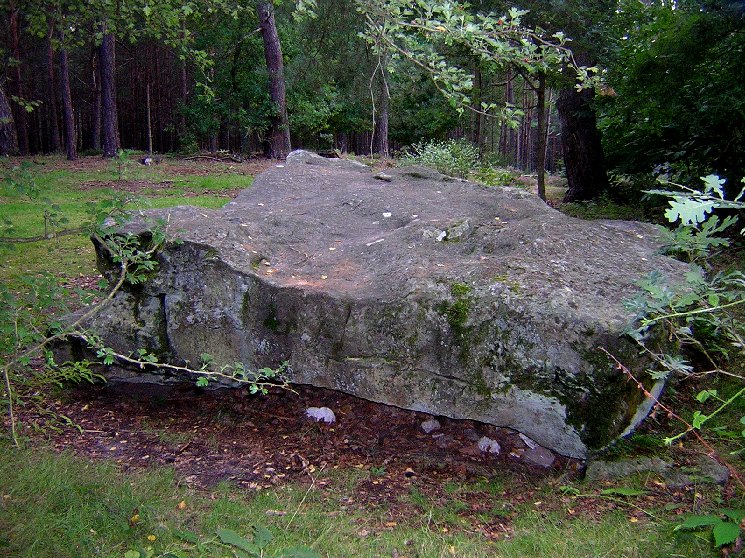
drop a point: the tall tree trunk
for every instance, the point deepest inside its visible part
(107, 64)
(96, 80)
(54, 140)
(8, 136)
(580, 144)
(279, 145)
(184, 99)
(149, 121)
(476, 116)
(542, 137)
(68, 116)
(184, 88)
(21, 118)
(381, 128)
(381, 118)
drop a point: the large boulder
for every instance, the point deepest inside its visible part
(407, 288)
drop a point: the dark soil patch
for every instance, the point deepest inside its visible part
(259, 442)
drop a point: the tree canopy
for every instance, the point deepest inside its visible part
(663, 81)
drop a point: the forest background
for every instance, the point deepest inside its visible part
(257, 78)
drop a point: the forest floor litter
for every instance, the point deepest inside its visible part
(264, 442)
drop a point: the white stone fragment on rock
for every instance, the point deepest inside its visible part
(527, 441)
(430, 425)
(487, 445)
(321, 414)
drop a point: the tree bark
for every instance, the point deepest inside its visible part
(279, 140)
(68, 116)
(107, 63)
(381, 145)
(21, 119)
(96, 116)
(54, 139)
(542, 129)
(149, 121)
(581, 147)
(476, 117)
(8, 136)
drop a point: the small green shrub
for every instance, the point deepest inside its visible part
(452, 157)
(603, 208)
(496, 176)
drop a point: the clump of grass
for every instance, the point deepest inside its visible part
(604, 208)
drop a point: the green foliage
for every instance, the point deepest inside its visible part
(453, 157)
(676, 89)
(725, 525)
(693, 207)
(495, 176)
(19, 181)
(427, 35)
(697, 315)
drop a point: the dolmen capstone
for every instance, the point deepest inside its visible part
(407, 288)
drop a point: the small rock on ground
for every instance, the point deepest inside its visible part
(431, 425)
(321, 414)
(611, 470)
(703, 470)
(539, 456)
(487, 445)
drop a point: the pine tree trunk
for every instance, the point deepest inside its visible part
(279, 142)
(21, 118)
(149, 121)
(8, 136)
(68, 116)
(476, 117)
(54, 139)
(542, 138)
(107, 63)
(96, 80)
(580, 144)
(381, 121)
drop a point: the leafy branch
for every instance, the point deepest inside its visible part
(698, 313)
(419, 31)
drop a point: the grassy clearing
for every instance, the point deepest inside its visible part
(70, 191)
(61, 506)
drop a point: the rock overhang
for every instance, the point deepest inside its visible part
(412, 289)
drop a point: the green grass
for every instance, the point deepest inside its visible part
(603, 209)
(57, 505)
(73, 255)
